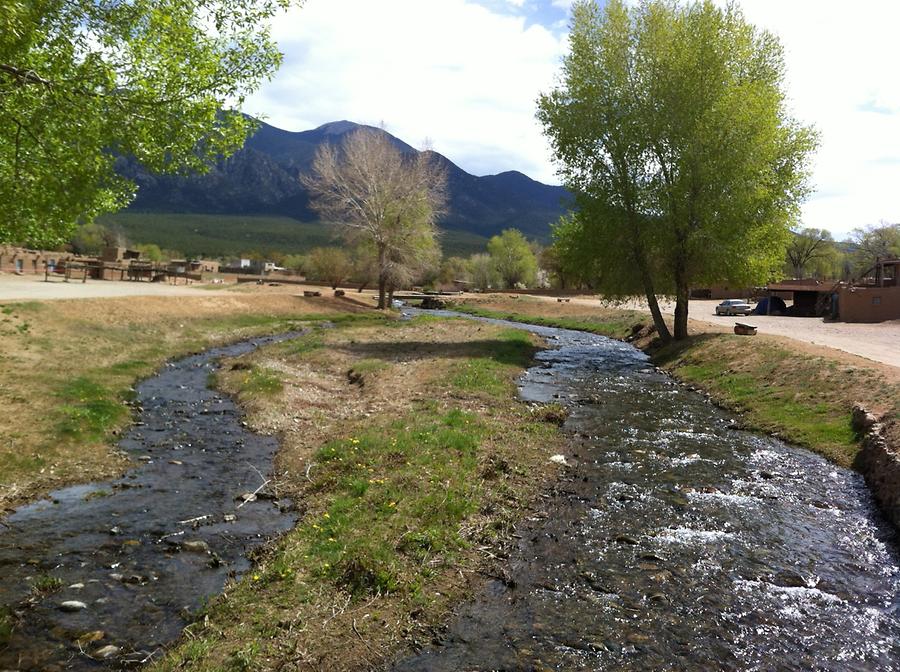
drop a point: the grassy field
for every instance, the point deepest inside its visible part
(413, 460)
(802, 393)
(67, 369)
(232, 235)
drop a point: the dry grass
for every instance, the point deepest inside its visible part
(67, 368)
(412, 460)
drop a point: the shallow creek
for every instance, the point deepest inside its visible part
(675, 541)
(136, 557)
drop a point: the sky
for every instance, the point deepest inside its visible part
(462, 77)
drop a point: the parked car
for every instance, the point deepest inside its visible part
(734, 307)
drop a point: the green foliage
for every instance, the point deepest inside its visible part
(670, 127)
(483, 271)
(146, 79)
(232, 235)
(873, 243)
(328, 264)
(813, 254)
(513, 258)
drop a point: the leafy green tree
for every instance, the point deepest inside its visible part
(453, 269)
(381, 199)
(329, 264)
(513, 258)
(811, 250)
(93, 237)
(874, 243)
(483, 272)
(298, 263)
(670, 127)
(81, 80)
(150, 251)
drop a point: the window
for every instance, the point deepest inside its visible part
(876, 300)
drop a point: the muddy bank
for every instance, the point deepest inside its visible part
(677, 541)
(879, 462)
(113, 571)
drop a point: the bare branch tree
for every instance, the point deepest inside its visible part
(379, 196)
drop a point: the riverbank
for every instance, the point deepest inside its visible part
(68, 368)
(802, 393)
(411, 459)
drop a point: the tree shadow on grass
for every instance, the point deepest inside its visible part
(510, 352)
(666, 354)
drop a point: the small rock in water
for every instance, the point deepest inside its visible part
(176, 462)
(625, 539)
(195, 546)
(107, 651)
(77, 586)
(93, 636)
(247, 497)
(72, 605)
(229, 517)
(115, 530)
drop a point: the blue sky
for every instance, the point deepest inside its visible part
(463, 76)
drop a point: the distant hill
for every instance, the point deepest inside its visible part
(262, 180)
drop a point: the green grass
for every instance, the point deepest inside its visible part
(261, 381)
(613, 327)
(232, 235)
(794, 394)
(489, 373)
(46, 584)
(89, 409)
(376, 492)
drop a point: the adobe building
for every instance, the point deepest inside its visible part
(876, 298)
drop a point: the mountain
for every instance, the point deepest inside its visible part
(262, 179)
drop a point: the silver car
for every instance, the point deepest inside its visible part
(734, 307)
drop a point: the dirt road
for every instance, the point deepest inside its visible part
(34, 288)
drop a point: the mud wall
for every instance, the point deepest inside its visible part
(869, 304)
(879, 463)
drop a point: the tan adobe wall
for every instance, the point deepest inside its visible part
(869, 304)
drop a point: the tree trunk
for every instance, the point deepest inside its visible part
(650, 292)
(382, 276)
(682, 295)
(390, 301)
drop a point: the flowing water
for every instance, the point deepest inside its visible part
(675, 541)
(142, 553)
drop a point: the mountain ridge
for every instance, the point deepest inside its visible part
(263, 178)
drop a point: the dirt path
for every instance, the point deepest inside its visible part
(34, 288)
(878, 342)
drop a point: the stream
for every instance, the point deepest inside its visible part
(132, 560)
(675, 541)
(672, 540)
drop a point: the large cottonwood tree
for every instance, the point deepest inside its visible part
(383, 200)
(82, 80)
(670, 126)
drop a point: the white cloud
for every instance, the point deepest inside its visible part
(843, 78)
(452, 71)
(467, 75)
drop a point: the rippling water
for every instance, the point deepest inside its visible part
(118, 547)
(676, 542)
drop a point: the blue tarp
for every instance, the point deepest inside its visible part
(778, 306)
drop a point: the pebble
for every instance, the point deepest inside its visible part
(195, 546)
(72, 605)
(107, 651)
(92, 636)
(77, 586)
(229, 517)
